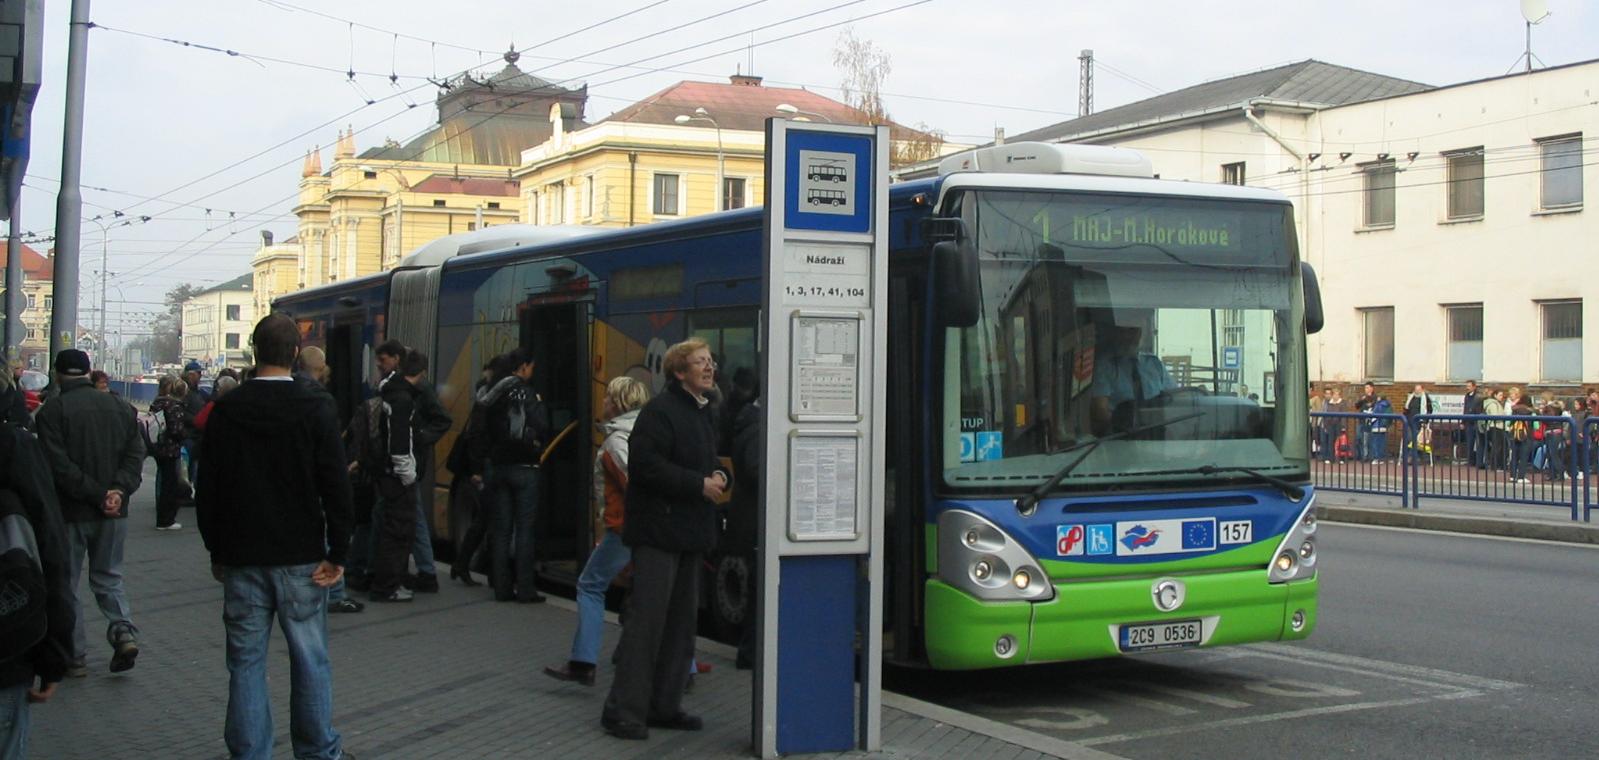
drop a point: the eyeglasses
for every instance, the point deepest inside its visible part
(707, 363)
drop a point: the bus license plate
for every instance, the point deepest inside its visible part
(1170, 634)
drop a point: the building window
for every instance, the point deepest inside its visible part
(233, 312)
(1465, 342)
(1379, 194)
(470, 226)
(588, 196)
(1378, 325)
(1562, 171)
(533, 208)
(1232, 174)
(30, 300)
(1465, 183)
(369, 175)
(438, 202)
(49, 303)
(1562, 341)
(231, 340)
(665, 194)
(494, 204)
(732, 193)
(556, 192)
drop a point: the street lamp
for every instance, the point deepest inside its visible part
(791, 111)
(105, 274)
(700, 114)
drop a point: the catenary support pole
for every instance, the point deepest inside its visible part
(14, 298)
(69, 202)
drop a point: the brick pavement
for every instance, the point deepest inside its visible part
(453, 675)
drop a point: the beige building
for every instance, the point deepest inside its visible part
(38, 281)
(1445, 224)
(217, 324)
(275, 269)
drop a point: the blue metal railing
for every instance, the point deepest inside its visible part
(1519, 459)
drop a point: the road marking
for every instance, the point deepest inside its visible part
(1247, 720)
(1414, 674)
(1110, 694)
(1289, 690)
(1457, 534)
(1197, 696)
(1081, 718)
(1005, 732)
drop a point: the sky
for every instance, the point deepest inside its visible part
(209, 145)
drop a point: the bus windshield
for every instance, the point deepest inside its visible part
(1109, 313)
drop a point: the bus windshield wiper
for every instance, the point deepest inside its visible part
(1025, 504)
(1289, 489)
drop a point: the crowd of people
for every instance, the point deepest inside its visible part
(1488, 438)
(297, 510)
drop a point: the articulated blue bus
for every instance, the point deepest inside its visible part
(1096, 422)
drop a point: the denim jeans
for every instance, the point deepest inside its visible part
(1376, 445)
(514, 493)
(604, 563)
(1326, 439)
(422, 549)
(102, 541)
(251, 597)
(14, 722)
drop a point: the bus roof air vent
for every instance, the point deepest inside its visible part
(1050, 158)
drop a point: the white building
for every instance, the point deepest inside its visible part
(1445, 224)
(217, 324)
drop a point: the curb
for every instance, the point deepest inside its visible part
(1573, 533)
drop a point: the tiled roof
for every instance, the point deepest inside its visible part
(443, 183)
(733, 106)
(34, 266)
(1310, 82)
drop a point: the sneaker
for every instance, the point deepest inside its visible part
(679, 722)
(173, 526)
(345, 605)
(122, 659)
(397, 595)
(426, 583)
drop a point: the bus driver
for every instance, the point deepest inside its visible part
(1124, 374)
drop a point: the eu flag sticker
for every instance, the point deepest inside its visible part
(1199, 534)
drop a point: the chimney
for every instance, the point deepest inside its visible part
(999, 135)
(745, 80)
(266, 238)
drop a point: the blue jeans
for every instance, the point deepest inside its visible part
(102, 541)
(514, 493)
(14, 722)
(1376, 445)
(604, 563)
(251, 596)
(422, 549)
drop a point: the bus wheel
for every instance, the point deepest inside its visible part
(730, 600)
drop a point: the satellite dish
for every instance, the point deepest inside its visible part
(1534, 11)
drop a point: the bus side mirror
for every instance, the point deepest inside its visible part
(956, 297)
(1314, 318)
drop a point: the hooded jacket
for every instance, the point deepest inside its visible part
(273, 488)
(517, 424)
(610, 469)
(92, 442)
(25, 484)
(673, 450)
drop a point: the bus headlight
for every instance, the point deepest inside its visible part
(1296, 555)
(975, 556)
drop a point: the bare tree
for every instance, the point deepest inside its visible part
(165, 342)
(865, 67)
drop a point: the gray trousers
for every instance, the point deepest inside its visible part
(658, 637)
(102, 541)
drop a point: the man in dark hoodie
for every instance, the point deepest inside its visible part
(518, 427)
(96, 455)
(31, 674)
(278, 532)
(394, 520)
(674, 480)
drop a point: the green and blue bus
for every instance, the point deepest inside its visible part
(1096, 420)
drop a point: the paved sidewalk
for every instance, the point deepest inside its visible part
(1494, 518)
(453, 675)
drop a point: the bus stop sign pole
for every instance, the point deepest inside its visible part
(824, 325)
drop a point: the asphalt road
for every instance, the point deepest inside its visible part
(1429, 646)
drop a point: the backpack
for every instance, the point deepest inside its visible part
(153, 429)
(1518, 431)
(23, 620)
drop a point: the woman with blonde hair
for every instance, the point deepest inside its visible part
(624, 396)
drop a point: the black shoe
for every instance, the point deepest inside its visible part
(358, 581)
(575, 672)
(426, 583)
(463, 575)
(679, 722)
(122, 659)
(622, 729)
(346, 605)
(534, 598)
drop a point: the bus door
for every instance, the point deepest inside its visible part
(347, 363)
(904, 493)
(558, 336)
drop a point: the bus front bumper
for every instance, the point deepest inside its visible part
(1084, 619)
